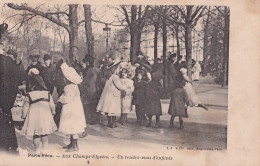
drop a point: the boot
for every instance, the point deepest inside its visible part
(109, 121)
(114, 122)
(157, 125)
(171, 122)
(68, 146)
(122, 119)
(126, 118)
(181, 124)
(74, 146)
(150, 122)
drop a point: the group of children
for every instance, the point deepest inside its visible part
(39, 108)
(119, 95)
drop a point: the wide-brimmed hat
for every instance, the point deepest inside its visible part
(46, 56)
(70, 74)
(114, 63)
(34, 73)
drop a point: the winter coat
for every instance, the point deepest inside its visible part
(72, 119)
(48, 77)
(139, 93)
(110, 100)
(153, 92)
(170, 76)
(127, 97)
(88, 87)
(179, 100)
(9, 83)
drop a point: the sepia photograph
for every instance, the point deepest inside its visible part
(79, 78)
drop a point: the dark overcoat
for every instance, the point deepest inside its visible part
(178, 103)
(48, 77)
(153, 93)
(170, 77)
(9, 82)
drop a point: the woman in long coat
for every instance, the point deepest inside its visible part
(110, 100)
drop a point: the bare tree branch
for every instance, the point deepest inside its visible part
(126, 14)
(40, 13)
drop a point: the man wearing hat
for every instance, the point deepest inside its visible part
(88, 89)
(47, 73)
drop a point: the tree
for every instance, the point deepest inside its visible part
(71, 27)
(189, 16)
(156, 21)
(135, 21)
(88, 30)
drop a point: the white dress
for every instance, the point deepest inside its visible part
(37, 110)
(72, 119)
(194, 100)
(126, 101)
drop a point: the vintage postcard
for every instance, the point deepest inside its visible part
(129, 83)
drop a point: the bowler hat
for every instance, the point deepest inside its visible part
(46, 56)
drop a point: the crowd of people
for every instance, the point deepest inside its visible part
(85, 93)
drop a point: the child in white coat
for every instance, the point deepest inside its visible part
(72, 120)
(126, 96)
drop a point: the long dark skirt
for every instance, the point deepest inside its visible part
(8, 140)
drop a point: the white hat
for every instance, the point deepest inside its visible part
(70, 73)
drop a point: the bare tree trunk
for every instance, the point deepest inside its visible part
(177, 40)
(205, 45)
(226, 47)
(188, 45)
(139, 37)
(73, 34)
(164, 30)
(133, 46)
(155, 51)
(88, 30)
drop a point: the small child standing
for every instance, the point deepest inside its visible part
(72, 119)
(178, 103)
(139, 96)
(37, 111)
(126, 96)
(153, 93)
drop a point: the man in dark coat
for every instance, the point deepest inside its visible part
(170, 74)
(9, 83)
(47, 73)
(89, 90)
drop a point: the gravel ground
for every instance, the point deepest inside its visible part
(202, 129)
